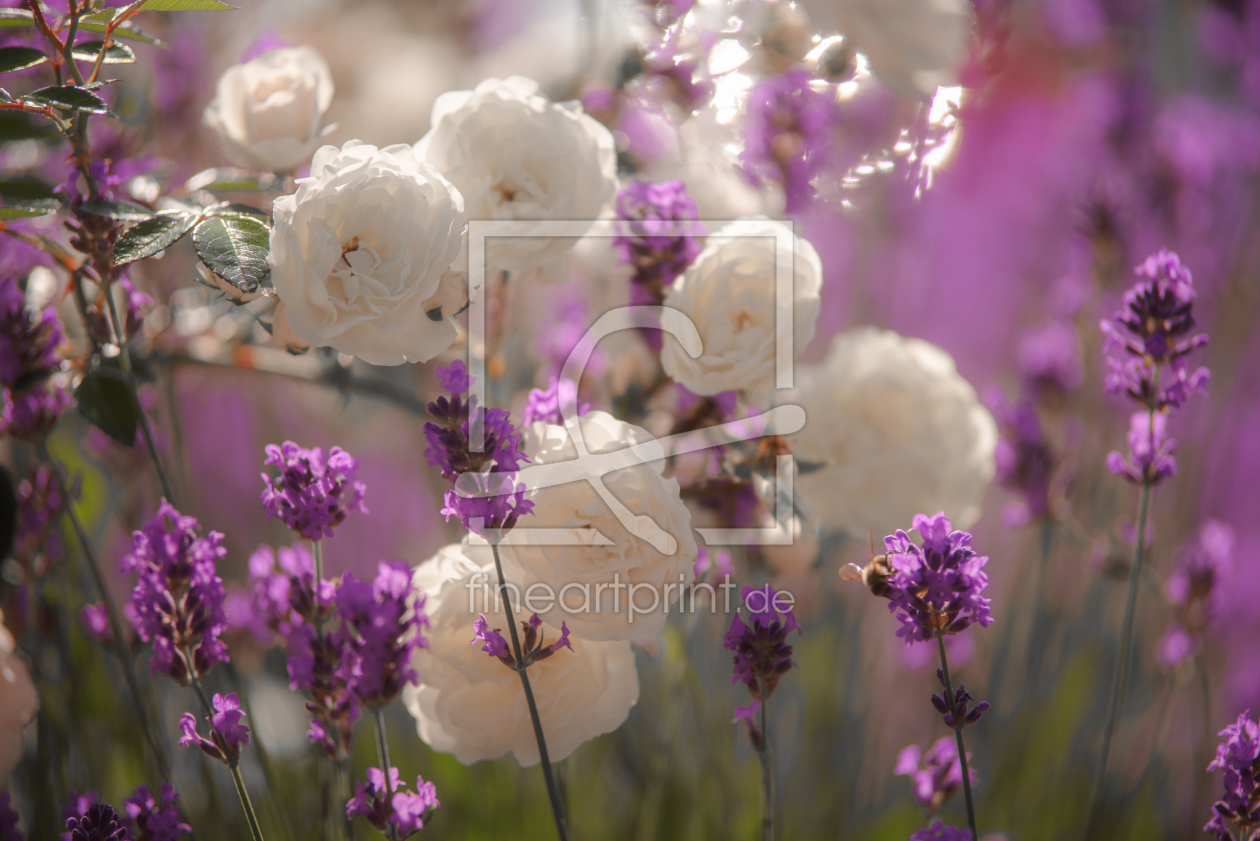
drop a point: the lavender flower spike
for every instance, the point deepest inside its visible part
(313, 493)
(393, 808)
(227, 734)
(788, 136)
(1239, 757)
(151, 820)
(935, 775)
(659, 233)
(381, 625)
(99, 823)
(936, 589)
(28, 354)
(762, 654)
(1150, 450)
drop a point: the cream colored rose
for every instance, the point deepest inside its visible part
(18, 703)
(729, 294)
(646, 563)
(361, 254)
(515, 155)
(268, 112)
(900, 433)
(471, 705)
(913, 45)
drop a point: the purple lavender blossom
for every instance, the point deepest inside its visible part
(312, 493)
(177, 603)
(762, 654)
(659, 237)
(381, 625)
(455, 377)
(99, 823)
(1150, 450)
(941, 831)
(936, 775)
(1049, 359)
(1194, 588)
(748, 715)
(394, 808)
(35, 541)
(151, 819)
(788, 135)
(1153, 329)
(9, 819)
(227, 734)
(492, 641)
(28, 354)
(95, 621)
(547, 405)
(936, 589)
(534, 646)
(1024, 459)
(956, 714)
(1239, 757)
(719, 561)
(77, 808)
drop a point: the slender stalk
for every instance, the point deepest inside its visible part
(962, 751)
(129, 374)
(767, 770)
(382, 750)
(1122, 664)
(264, 755)
(111, 611)
(552, 790)
(233, 764)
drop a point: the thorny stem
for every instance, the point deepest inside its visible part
(767, 770)
(145, 430)
(111, 610)
(544, 760)
(958, 728)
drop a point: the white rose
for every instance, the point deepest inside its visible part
(729, 294)
(913, 45)
(515, 155)
(900, 431)
(267, 112)
(650, 562)
(18, 703)
(471, 705)
(360, 254)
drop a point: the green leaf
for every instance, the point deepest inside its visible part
(69, 96)
(24, 188)
(14, 125)
(12, 18)
(154, 234)
(226, 179)
(29, 209)
(106, 401)
(116, 54)
(232, 209)
(235, 248)
(20, 58)
(123, 210)
(125, 30)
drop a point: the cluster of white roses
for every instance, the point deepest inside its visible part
(370, 256)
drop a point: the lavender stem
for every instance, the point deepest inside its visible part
(962, 751)
(767, 770)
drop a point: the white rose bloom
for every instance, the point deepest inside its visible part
(913, 45)
(471, 705)
(360, 255)
(267, 112)
(18, 703)
(515, 155)
(651, 561)
(729, 294)
(900, 431)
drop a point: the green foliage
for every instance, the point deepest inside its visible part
(24, 188)
(69, 97)
(116, 54)
(232, 180)
(126, 30)
(20, 58)
(105, 400)
(235, 247)
(122, 210)
(29, 209)
(154, 234)
(14, 18)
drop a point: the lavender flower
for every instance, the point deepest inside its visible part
(788, 135)
(227, 734)
(177, 603)
(1049, 359)
(152, 820)
(660, 237)
(1153, 329)
(762, 654)
(1195, 591)
(28, 355)
(312, 493)
(941, 831)
(99, 823)
(1239, 757)
(546, 405)
(95, 621)
(533, 643)
(381, 626)
(1024, 459)
(955, 714)
(936, 589)
(393, 808)
(9, 819)
(77, 808)
(1150, 450)
(935, 775)
(36, 543)
(748, 715)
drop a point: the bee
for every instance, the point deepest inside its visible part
(874, 575)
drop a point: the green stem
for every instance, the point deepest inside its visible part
(264, 756)
(767, 770)
(233, 764)
(382, 751)
(125, 357)
(119, 648)
(552, 790)
(1122, 664)
(958, 728)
